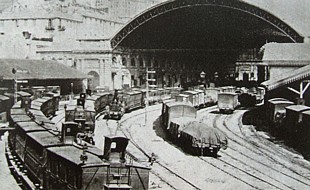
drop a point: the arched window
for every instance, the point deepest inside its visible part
(133, 62)
(113, 60)
(245, 77)
(140, 62)
(124, 61)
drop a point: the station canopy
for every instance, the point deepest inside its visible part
(37, 70)
(288, 78)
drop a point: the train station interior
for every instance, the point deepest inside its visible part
(182, 94)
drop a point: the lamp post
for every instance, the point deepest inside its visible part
(71, 85)
(203, 76)
(216, 76)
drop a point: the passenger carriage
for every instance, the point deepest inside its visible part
(305, 131)
(247, 99)
(172, 110)
(292, 123)
(193, 98)
(260, 97)
(37, 91)
(58, 163)
(35, 152)
(78, 167)
(227, 102)
(182, 98)
(5, 105)
(201, 98)
(48, 105)
(133, 100)
(230, 89)
(211, 95)
(276, 109)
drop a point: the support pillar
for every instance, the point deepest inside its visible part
(302, 90)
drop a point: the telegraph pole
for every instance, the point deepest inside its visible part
(14, 71)
(147, 90)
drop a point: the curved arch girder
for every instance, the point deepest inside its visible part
(178, 4)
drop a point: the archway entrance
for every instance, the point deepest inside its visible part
(93, 82)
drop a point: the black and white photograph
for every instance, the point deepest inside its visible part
(154, 94)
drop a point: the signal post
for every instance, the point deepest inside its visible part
(147, 90)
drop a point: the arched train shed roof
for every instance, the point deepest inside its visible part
(204, 24)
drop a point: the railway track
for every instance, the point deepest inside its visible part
(239, 171)
(158, 167)
(271, 145)
(248, 166)
(258, 157)
(274, 154)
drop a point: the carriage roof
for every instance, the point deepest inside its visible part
(168, 100)
(191, 92)
(277, 99)
(18, 112)
(279, 102)
(72, 154)
(133, 92)
(20, 118)
(29, 126)
(183, 95)
(33, 126)
(298, 108)
(45, 138)
(198, 90)
(44, 119)
(172, 104)
(52, 94)
(227, 94)
(3, 98)
(44, 99)
(36, 112)
(306, 113)
(36, 104)
(23, 94)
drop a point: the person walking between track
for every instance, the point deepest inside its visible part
(152, 159)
